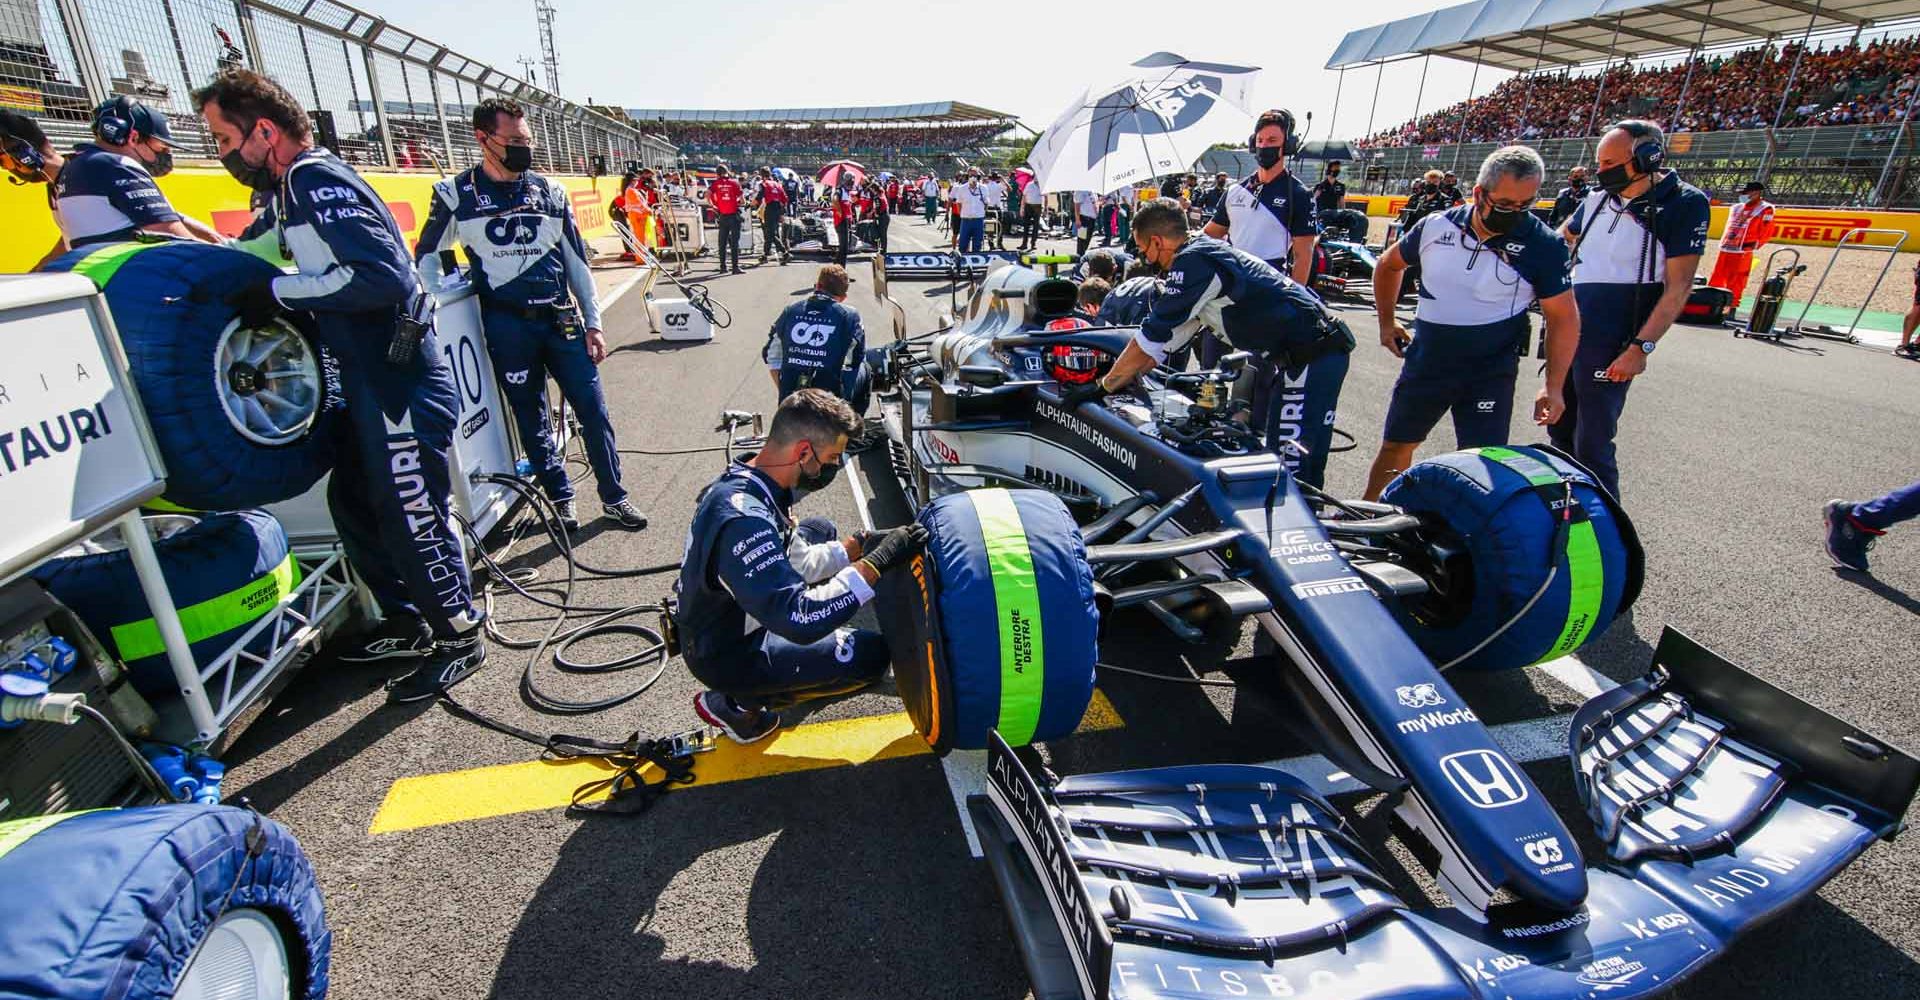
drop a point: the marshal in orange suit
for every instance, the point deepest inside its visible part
(1749, 225)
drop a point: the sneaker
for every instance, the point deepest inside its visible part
(399, 637)
(1847, 540)
(626, 513)
(569, 514)
(1908, 350)
(450, 662)
(742, 725)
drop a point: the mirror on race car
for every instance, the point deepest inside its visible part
(982, 376)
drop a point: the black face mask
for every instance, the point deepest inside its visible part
(1333, 174)
(1500, 221)
(814, 482)
(256, 176)
(162, 164)
(1268, 157)
(516, 159)
(1615, 178)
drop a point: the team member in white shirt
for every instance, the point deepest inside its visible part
(972, 197)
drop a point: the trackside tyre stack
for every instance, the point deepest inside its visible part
(134, 904)
(995, 626)
(242, 417)
(1530, 524)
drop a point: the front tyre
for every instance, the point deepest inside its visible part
(242, 957)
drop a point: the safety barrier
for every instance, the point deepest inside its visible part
(1816, 227)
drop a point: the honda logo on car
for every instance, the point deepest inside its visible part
(1299, 548)
(1094, 436)
(1485, 778)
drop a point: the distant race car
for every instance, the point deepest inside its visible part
(1715, 800)
(1343, 263)
(812, 232)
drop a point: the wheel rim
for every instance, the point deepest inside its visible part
(242, 957)
(269, 383)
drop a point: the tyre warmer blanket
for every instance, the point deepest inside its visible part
(1509, 506)
(110, 904)
(1230, 880)
(994, 627)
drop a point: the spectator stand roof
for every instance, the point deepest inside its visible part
(1525, 35)
(902, 114)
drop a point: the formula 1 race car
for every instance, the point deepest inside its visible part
(1715, 800)
(813, 233)
(1343, 263)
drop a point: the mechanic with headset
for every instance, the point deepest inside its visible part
(1256, 308)
(1269, 214)
(529, 266)
(104, 191)
(763, 601)
(818, 343)
(1636, 245)
(28, 157)
(1569, 197)
(391, 475)
(1484, 265)
(724, 196)
(1330, 195)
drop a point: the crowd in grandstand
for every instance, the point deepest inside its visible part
(1843, 85)
(693, 138)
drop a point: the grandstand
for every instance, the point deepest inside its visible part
(1815, 97)
(938, 136)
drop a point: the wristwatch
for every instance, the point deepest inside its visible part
(1645, 346)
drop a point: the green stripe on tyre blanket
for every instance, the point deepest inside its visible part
(1016, 599)
(231, 610)
(100, 266)
(1586, 575)
(15, 832)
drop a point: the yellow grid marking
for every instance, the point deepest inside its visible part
(532, 786)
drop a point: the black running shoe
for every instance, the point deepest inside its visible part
(399, 637)
(450, 662)
(626, 513)
(1847, 540)
(742, 725)
(569, 514)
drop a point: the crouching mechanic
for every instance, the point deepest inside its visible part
(1482, 266)
(1256, 308)
(536, 300)
(818, 343)
(391, 475)
(763, 601)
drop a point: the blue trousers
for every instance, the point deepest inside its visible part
(392, 477)
(1586, 430)
(1300, 406)
(780, 671)
(973, 235)
(524, 352)
(1884, 512)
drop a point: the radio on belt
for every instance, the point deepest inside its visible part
(677, 319)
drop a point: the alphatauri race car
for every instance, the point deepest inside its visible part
(1713, 800)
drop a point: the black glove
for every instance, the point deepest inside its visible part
(891, 548)
(1088, 393)
(255, 303)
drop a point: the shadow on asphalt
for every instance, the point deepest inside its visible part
(1891, 594)
(319, 690)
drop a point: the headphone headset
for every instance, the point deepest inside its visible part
(21, 151)
(1648, 153)
(113, 122)
(1291, 146)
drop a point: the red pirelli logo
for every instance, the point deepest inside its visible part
(587, 211)
(1819, 228)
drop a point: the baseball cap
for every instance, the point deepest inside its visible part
(140, 117)
(1753, 186)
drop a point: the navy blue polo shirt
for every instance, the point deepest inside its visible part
(1474, 295)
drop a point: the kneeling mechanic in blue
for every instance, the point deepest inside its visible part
(763, 600)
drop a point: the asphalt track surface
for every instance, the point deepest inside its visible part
(856, 880)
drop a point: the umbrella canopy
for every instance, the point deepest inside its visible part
(785, 173)
(830, 174)
(1160, 117)
(1021, 175)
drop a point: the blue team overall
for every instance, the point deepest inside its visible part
(529, 265)
(391, 478)
(1258, 309)
(1471, 324)
(1619, 273)
(818, 343)
(763, 601)
(101, 197)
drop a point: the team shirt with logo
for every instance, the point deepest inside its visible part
(1263, 219)
(102, 196)
(1238, 295)
(1620, 261)
(816, 343)
(724, 195)
(1474, 295)
(521, 240)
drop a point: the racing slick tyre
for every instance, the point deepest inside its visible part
(995, 626)
(224, 570)
(241, 416)
(185, 901)
(1527, 576)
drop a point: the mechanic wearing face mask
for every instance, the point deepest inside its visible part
(391, 478)
(28, 157)
(818, 343)
(529, 265)
(1569, 197)
(1636, 245)
(1270, 213)
(1256, 308)
(1330, 195)
(104, 191)
(1484, 265)
(763, 600)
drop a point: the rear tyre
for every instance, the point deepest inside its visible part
(243, 957)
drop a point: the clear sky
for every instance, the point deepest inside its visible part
(1029, 59)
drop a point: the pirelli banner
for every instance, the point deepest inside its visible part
(215, 198)
(1819, 227)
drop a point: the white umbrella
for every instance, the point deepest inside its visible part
(1158, 120)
